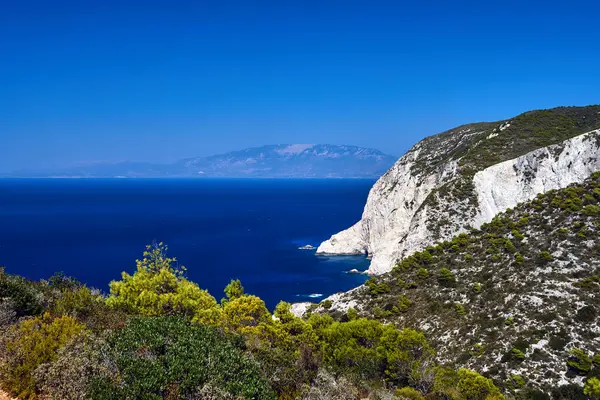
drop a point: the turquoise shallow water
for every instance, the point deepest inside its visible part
(218, 229)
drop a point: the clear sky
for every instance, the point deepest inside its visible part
(158, 81)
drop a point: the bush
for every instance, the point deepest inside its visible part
(158, 288)
(579, 361)
(26, 302)
(544, 257)
(70, 376)
(422, 273)
(29, 344)
(592, 387)
(408, 393)
(446, 277)
(473, 386)
(157, 354)
(460, 309)
(377, 288)
(404, 303)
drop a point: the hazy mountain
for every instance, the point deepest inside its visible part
(274, 161)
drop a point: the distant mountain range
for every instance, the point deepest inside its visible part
(273, 161)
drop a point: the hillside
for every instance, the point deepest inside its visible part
(274, 161)
(517, 299)
(461, 178)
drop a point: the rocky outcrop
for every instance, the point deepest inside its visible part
(431, 193)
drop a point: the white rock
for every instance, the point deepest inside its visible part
(393, 223)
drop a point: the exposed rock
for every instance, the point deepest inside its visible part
(460, 179)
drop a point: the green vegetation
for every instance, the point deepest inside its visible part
(524, 287)
(157, 335)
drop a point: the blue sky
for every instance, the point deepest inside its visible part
(159, 81)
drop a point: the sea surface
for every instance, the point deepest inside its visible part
(219, 229)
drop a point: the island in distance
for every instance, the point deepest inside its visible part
(272, 161)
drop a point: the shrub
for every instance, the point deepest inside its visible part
(234, 290)
(408, 393)
(154, 354)
(544, 257)
(244, 314)
(422, 273)
(473, 386)
(29, 344)
(70, 376)
(352, 314)
(519, 259)
(477, 288)
(404, 303)
(586, 314)
(579, 361)
(377, 288)
(446, 277)
(7, 314)
(364, 348)
(592, 387)
(159, 288)
(21, 293)
(460, 309)
(517, 354)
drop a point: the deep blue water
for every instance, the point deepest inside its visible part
(218, 229)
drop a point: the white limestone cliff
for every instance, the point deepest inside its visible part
(396, 217)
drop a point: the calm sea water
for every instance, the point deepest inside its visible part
(218, 229)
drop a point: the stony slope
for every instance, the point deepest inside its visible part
(511, 299)
(459, 179)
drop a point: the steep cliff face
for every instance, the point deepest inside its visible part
(461, 178)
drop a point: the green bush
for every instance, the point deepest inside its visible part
(408, 393)
(158, 288)
(422, 273)
(592, 387)
(472, 386)
(579, 361)
(28, 345)
(364, 348)
(460, 309)
(446, 277)
(404, 303)
(544, 257)
(169, 356)
(21, 294)
(377, 288)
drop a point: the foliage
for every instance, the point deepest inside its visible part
(365, 348)
(446, 277)
(592, 387)
(409, 393)
(472, 386)
(70, 375)
(244, 314)
(159, 288)
(24, 299)
(404, 303)
(234, 289)
(579, 361)
(29, 344)
(377, 288)
(154, 354)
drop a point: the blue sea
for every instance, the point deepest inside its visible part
(219, 229)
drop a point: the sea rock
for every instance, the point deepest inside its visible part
(415, 203)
